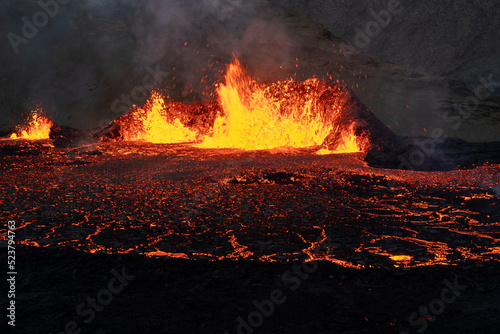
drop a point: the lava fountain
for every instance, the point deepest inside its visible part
(286, 114)
(37, 128)
(251, 116)
(156, 123)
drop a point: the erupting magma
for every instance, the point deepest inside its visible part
(156, 125)
(38, 127)
(249, 115)
(257, 117)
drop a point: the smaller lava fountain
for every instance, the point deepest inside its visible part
(155, 124)
(38, 127)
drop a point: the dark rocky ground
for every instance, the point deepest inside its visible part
(182, 296)
(205, 233)
(425, 154)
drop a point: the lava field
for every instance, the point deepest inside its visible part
(272, 206)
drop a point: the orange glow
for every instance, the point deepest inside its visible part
(240, 251)
(257, 117)
(248, 115)
(159, 253)
(349, 143)
(155, 123)
(401, 258)
(38, 127)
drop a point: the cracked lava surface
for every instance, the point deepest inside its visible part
(179, 201)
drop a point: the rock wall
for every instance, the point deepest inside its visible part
(459, 39)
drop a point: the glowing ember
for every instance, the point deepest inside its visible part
(285, 114)
(154, 123)
(38, 127)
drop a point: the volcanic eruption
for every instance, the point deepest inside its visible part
(247, 115)
(256, 158)
(37, 127)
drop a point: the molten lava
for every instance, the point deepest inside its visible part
(348, 143)
(38, 127)
(251, 116)
(155, 123)
(285, 114)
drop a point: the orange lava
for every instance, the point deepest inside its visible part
(256, 116)
(349, 144)
(154, 123)
(251, 116)
(38, 127)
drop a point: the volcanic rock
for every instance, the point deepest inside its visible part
(425, 154)
(441, 45)
(64, 136)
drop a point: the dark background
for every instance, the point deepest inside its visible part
(456, 39)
